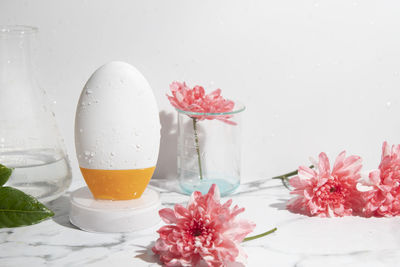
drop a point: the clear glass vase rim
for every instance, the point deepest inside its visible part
(239, 107)
(17, 29)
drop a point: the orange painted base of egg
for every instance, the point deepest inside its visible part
(117, 184)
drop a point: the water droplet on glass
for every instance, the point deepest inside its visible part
(87, 153)
(79, 156)
(88, 92)
(2, 139)
(388, 104)
(83, 103)
(112, 154)
(55, 102)
(81, 130)
(122, 81)
(138, 147)
(53, 114)
(396, 73)
(89, 103)
(8, 61)
(92, 154)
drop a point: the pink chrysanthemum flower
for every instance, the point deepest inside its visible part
(383, 198)
(196, 100)
(204, 231)
(325, 193)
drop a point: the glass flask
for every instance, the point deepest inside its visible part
(29, 138)
(209, 150)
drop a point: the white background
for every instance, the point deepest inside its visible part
(315, 75)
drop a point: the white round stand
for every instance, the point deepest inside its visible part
(108, 216)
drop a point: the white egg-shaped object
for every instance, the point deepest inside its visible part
(117, 132)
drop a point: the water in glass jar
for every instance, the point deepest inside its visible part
(42, 173)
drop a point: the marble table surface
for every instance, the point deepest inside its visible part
(299, 242)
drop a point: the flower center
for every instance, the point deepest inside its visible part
(196, 228)
(331, 192)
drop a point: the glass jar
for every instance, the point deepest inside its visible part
(29, 138)
(209, 150)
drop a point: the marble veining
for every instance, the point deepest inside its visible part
(299, 242)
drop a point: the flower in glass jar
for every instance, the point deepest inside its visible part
(325, 193)
(383, 196)
(205, 231)
(196, 100)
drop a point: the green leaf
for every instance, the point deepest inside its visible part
(20, 209)
(5, 173)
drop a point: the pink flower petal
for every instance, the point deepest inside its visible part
(167, 215)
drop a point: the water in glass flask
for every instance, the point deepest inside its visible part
(44, 174)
